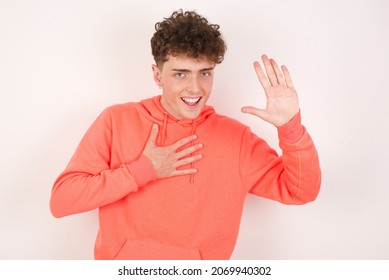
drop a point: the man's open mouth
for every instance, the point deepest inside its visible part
(191, 101)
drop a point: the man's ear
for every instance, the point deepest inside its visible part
(157, 75)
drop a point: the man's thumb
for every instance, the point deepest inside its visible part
(255, 111)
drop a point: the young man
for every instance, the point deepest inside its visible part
(168, 174)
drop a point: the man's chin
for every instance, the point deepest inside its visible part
(192, 115)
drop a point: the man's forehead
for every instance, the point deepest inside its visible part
(188, 63)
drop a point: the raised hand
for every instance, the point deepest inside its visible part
(166, 160)
(282, 101)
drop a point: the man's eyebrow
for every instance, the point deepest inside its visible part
(207, 69)
(180, 70)
(187, 70)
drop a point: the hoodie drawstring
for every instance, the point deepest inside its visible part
(152, 108)
(164, 130)
(191, 179)
(163, 134)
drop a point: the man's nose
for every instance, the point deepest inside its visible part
(194, 85)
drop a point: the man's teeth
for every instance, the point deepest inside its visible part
(191, 100)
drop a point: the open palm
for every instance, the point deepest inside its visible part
(282, 101)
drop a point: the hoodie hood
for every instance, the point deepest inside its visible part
(160, 116)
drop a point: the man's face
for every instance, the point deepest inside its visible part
(187, 84)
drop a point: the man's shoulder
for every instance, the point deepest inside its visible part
(119, 107)
(123, 109)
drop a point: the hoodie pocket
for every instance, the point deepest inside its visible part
(144, 250)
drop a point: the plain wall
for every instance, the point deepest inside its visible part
(63, 62)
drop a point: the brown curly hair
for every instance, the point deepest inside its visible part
(187, 33)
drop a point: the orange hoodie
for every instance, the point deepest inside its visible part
(141, 217)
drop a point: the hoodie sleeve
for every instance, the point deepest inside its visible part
(89, 182)
(292, 178)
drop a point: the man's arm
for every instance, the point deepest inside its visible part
(89, 181)
(294, 177)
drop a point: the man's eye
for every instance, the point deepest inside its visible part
(180, 75)
(206, 74)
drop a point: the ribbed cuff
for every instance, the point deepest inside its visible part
(142, 170)
(292, 131)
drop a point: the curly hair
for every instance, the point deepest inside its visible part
(187, 33)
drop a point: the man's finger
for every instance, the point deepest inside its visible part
(287, 76)
(261, 75)
(189, 151)
(183, 142)
(188, 160)
(183, 172)
(261, 113)
(269, 70)
(280, 77)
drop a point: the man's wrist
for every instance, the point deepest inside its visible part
(292, 131)
(142, 170)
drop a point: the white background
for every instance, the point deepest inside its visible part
(63, 62)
